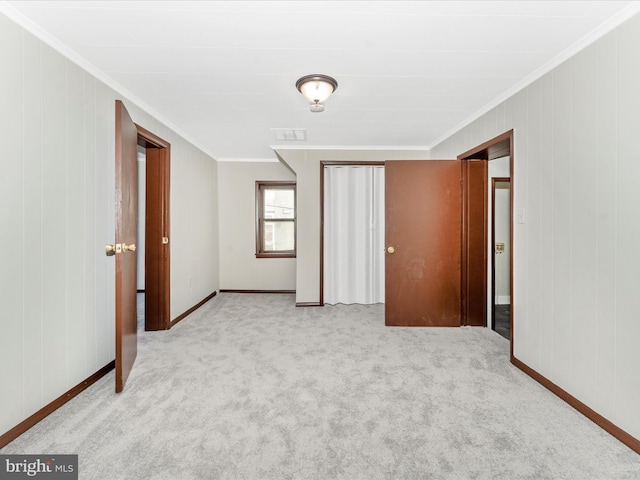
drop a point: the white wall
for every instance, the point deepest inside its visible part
(306, 165)
(576, 257)
(499, 168)
(239, 267)
(57, 209)
(194, 225)
(502, 234)
(142, 209)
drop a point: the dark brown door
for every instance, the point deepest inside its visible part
(474, 242)
(157, 239)
(126, 183)
(423, 239)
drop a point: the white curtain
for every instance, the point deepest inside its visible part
(353, 234)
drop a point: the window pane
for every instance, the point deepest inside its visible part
(279, 236)
(279, 203)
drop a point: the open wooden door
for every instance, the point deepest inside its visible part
(126, 183)
(423, 241)
(474, 242)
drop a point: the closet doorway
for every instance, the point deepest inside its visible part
(353, 233)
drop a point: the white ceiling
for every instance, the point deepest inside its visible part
(223, 73)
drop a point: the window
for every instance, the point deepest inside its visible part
(275, 219)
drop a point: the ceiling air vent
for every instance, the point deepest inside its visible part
(290, 134)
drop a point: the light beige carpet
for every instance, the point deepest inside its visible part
(251, 387)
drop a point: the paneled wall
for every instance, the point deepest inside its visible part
(576, 255)
(239, 267)
(194, 226)
(57, 213)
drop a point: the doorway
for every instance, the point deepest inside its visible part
(128, 137)
(354, 269)
(153, 282)
(499, 156)
(140, 297)
(500, 300)
(353, 234)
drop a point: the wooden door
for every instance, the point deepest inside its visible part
(474, 242)
(423, 240)
(126, 183)
(157, 288)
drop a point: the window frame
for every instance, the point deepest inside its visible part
(261, 186)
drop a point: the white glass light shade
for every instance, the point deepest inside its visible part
(316, 88)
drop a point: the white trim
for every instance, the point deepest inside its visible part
(71, 55)
(622, 16)
(503, 299)
(249, 160)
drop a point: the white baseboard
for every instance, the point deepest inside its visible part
(503, 300)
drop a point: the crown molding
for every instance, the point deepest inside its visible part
(36, 30)
(247, 160)
(622, 16)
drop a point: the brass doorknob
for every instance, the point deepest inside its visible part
(126, 247)
(110, 249)
(391, 249)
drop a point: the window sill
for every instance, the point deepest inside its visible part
(276, 255)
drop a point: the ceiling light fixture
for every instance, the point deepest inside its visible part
(316, 89)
